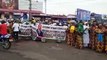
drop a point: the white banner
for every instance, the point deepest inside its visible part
(49, 32)
(54, 32)
(25, 30)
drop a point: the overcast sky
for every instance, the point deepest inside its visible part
(70, 6)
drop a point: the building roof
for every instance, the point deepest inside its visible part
(51, 16)
(58, 16)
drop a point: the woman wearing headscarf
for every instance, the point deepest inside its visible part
(100, 38)
(86, 35)
(70, 35)
(105, 38)
(79, 35)
(93, 37)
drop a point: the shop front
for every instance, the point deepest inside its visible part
(16, 14)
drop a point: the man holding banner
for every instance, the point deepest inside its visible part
(40, 33)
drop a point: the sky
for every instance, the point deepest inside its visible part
(69, 6)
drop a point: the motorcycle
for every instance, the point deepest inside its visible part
(4, 41)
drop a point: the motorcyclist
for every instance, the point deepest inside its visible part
(3, 28)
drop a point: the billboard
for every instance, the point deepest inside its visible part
(9, 4)
(98, 18)
(104, 17)
(83, 14)
(36, 5)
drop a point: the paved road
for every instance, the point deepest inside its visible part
(30, 50)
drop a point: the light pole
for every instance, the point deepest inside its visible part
(30, 9)
(45, 6)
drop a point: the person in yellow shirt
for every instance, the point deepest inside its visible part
(72, 29)
(71, 34)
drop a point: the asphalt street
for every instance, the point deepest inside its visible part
(31, 50)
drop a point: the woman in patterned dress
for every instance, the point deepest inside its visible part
(70, 34)
(92, 35)
(105, 39)
(67, 35)
(100, 38)
(79, 35)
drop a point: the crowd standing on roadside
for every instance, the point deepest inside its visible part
(85, 36)
(80, 35)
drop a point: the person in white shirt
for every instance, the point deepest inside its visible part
(86, 34)
(15, 30)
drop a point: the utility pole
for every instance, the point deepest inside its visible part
(45, 6)
(30, 9)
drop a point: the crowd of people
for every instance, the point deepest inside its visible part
(83, 35)
(80, 34)
(9, 27)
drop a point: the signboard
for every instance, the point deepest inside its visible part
(25, 30)
(9, 4)
(104, 17)
(83, 14)
(49, 32)
(33, 33)
(36, 5)
(98, 18)
(54, 32)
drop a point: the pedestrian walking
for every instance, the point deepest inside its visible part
(15, 30)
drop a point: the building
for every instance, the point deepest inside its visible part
(36, 5)
(10, 8)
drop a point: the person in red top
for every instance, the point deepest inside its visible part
(3, 28)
